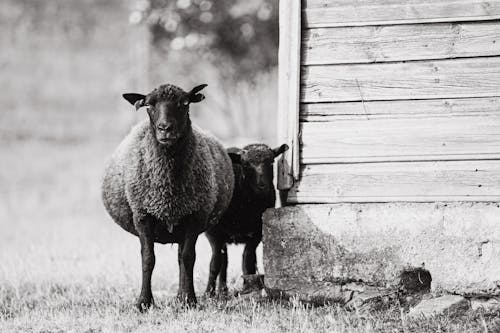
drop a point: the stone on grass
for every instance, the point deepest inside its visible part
(490, 304)
(251, 283)
(447, 305)
(371, 299)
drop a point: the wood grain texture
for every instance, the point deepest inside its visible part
(331, 13)
(289, 84)
(401, 139)
(326, 112)
(457, 78)
(384, 182)
(399, 42)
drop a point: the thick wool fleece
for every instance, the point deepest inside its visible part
(257, 153)
(143, 178)
(166, 92)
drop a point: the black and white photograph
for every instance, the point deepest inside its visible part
(250, 166)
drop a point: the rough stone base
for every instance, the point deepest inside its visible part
(319, 252)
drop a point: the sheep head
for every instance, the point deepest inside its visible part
(257, 162)
(168, 110)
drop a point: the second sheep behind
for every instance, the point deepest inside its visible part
(254, 192)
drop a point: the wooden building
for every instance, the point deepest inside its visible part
(392, 112)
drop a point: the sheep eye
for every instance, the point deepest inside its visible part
(185, 102)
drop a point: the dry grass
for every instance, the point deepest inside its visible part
(105, 308)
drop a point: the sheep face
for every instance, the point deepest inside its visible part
(257, 162)
(168, 120)
(168, 110)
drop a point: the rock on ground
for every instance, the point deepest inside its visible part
(447, 304)
(491, 304)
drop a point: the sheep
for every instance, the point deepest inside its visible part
(242, 222)
(167, 182)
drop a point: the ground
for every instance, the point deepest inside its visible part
(66, 267)
(107, 309)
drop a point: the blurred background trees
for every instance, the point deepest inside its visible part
(63, 65)
(70, 60)
(242, 35)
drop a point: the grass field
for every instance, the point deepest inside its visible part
(107, 309)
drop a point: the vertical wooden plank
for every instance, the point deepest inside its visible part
(289, 85)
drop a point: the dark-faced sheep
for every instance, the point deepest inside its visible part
(242, 222)
(167, 182)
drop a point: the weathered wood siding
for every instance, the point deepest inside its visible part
(398, 101)
(341, 13)
(404, 181)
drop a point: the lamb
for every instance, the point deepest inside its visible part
(242, 222)
(167, 182)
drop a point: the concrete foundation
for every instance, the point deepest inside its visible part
(329, 250)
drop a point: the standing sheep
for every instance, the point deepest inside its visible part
(242, 222)
(167, 182)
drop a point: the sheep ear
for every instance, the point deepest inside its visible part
(280, 150)
(136, 100)
(194, 97)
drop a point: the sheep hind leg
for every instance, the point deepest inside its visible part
(187, 258)
(145, 232)
(215, 263)
(223, 272)
(249, 262)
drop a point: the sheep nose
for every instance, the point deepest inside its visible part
(165, 127)
(262, 186)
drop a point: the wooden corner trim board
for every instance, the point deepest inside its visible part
(289, 94)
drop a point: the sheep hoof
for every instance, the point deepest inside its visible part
(191, 302)
(143, 304)
(187, 300)
(223, 292)
(210, 292)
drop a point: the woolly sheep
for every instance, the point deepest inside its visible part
(167, 182)
(242, 222)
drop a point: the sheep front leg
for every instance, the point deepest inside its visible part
(187, 257)
(181, 268)
(145, 232)
(216, 244)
